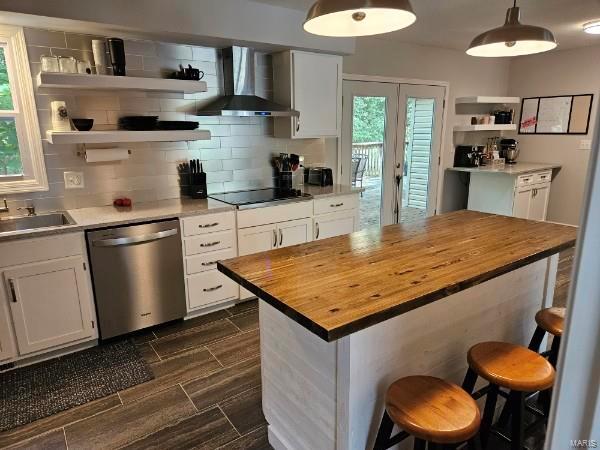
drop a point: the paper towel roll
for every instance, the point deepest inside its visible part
(106, 154)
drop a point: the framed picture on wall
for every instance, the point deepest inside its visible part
(559, 114)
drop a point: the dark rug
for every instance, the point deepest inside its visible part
(40, 390)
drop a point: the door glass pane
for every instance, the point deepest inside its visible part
(10, 157)
(420, 113)
(368, 138)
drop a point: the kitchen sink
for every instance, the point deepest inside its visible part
(57, 219)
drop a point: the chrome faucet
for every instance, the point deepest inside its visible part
(30, 210)
(5, 208)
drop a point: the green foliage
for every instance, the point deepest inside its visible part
(5, 97)
(10, 156)
(369, 119)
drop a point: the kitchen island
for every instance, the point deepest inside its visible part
(340, 319)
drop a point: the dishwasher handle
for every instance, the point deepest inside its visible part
(135, 239)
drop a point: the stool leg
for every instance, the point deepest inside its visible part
(536, 340)
(546, 396)
(384, 433)
(488, 414)
(419, 444)
(469, 381)
(474, 443)
(553, 358)
(517, 425)
(505, 414)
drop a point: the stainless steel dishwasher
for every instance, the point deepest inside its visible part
(137, 273)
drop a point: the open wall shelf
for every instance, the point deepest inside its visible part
(489, 127)
(481, 99)
(109, 82)
(101, 137)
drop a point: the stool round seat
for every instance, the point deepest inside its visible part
(433, 409)
(551, 320)
(511, 366)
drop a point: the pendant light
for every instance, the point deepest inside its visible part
(346, 18)
(512, 39)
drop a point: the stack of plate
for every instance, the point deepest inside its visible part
(138, 123)
(177, 125)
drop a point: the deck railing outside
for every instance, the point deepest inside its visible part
(374, 153)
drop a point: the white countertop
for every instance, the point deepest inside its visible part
(108, 216)
(509, 169)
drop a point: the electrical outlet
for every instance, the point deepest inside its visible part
(74, 180)
(585, 144)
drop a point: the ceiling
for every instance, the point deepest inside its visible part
(453, 23)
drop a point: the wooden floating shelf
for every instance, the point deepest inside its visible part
(490, 127)
(101, 137)
(109, 82)
(489, 100)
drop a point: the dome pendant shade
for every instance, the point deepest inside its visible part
(349, 18)
(512, 39)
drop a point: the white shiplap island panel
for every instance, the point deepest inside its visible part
(329, 395)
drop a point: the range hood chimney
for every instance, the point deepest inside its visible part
(240, 92)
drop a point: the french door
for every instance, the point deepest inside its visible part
(391, 139)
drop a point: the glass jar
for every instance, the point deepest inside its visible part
(67, 64)
(49, 63)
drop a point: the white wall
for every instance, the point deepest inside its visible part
(467, 76)
(575, 71)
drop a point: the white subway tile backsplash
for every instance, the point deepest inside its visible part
(175, 51)
(236, 157)
(45, 38)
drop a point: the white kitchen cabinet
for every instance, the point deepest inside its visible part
(50, 303)
(257, 239)
(311, 84)
(46, 300)
(525, 196)
(208, 238)
(531, 202)
(335, 224)
(294, 232)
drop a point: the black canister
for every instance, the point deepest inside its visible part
(116, 50)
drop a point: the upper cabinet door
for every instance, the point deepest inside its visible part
(257, 239)
(50, 303)
(294, 232)
(311, 84)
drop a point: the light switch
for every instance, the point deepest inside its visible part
(74, 180)
(585, 144)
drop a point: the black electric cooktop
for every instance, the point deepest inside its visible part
(258, 197)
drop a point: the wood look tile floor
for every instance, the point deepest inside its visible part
(206, 394)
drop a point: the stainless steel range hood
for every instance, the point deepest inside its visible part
(240, 96)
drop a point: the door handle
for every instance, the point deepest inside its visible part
(318, 231)
(135, 239)
(274, 238)
(210, 244)
(212, 288)
(11, 284)
(280, 237)
(208, 225)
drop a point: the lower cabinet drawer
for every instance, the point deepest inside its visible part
(333, 204)
(209, 287)
(206, 261)
(209, 242)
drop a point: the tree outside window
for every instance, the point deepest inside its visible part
(10, 155)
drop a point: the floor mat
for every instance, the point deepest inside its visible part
(43, 389)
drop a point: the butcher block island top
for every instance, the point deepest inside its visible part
(337, 286)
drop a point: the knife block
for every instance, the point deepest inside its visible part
(198, 186)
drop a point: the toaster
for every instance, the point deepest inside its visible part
(319, 176)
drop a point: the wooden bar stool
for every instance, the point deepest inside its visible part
(512, 367)
(434, 411)
(552, 321)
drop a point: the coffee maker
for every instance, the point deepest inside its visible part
(467, 156)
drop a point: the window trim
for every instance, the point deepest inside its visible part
(34, 176)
